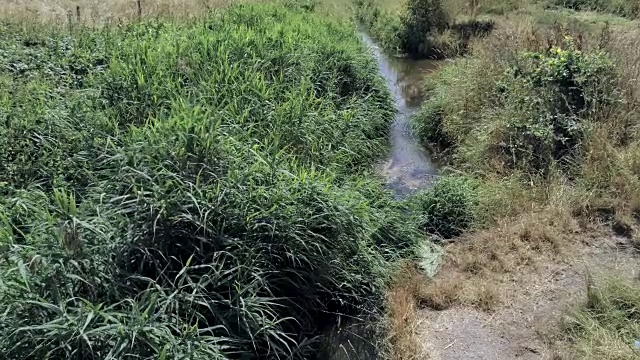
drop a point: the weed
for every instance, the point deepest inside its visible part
(606, 326)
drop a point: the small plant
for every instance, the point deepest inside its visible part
(449, 208)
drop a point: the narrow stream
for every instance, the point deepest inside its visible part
(410, 166)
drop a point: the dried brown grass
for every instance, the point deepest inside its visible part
(106, 12)
(475, 267)
(402, 313)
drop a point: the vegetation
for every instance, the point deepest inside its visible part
(191, 189)
(449, 208)
(547, 128)
(544, 101)
(542, 110)
(199, 188)
(422, 29)
(607, 326)
(629, 9)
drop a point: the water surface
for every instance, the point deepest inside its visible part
(409, 167)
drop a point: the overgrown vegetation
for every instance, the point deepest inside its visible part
(541, 110)
(544, 100)
(543, 116)
(629, 9)
(422, 29)
(190, 189)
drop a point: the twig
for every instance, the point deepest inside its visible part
(450, 345)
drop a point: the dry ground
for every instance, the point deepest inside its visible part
(502, 293)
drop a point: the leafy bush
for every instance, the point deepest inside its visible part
(531, 117)
(197, 195)
(548, 97)
(449, 208)
(423, 29)
(423, 18)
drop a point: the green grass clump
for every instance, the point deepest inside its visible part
(190, 190)
(607, 326)
(449, 208)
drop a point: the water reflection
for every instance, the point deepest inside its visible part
(410, 166)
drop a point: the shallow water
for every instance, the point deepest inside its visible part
(409, 167)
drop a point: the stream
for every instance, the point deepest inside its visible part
(408, 168)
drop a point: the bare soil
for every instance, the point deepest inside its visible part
(525, 322)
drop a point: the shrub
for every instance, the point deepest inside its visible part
(423, 18)
(423, 29)
(548, 98)
(531, 116)
(449, 208)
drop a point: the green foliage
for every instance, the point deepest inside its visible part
(548, 97)
(607, 326)
(386, 27)
(423, 29)
(422, 19)
(531, 117)
(190, 190)
(624, 8)
(449, 208)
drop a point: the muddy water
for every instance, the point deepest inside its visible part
(409, 166)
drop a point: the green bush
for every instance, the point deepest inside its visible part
(423, 29)
(449, 208)
(423, 18)
(532, 116)
(548, 97)
(191, 189)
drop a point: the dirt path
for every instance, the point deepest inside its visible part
(530, 309)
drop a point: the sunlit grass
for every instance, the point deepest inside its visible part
(192, 189)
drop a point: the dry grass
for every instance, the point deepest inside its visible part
(476, 265)
(402, 313)
(115, 11)
(104, 12)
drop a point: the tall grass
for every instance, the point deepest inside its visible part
(190, 189)
(547, 126)
(553, 106)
